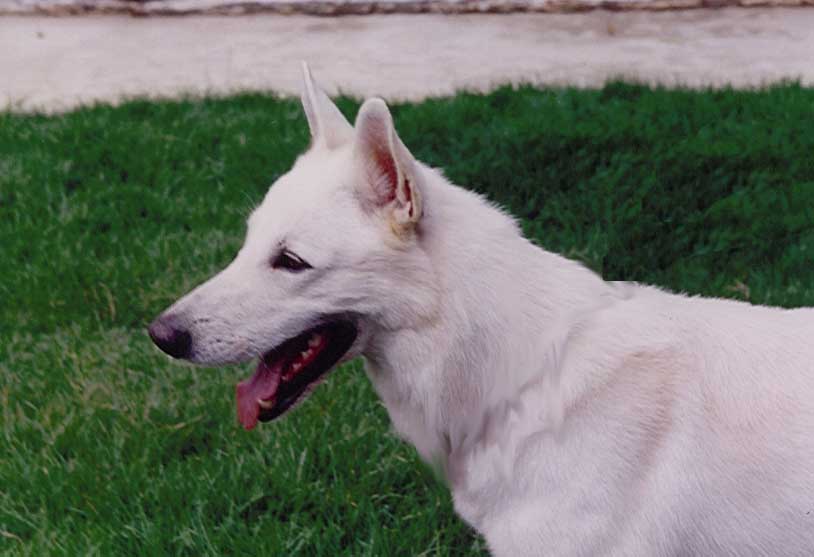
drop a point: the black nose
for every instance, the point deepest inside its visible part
(170, 337)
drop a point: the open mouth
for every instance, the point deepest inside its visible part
(286, 374)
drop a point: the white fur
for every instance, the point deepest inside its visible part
(571, 416)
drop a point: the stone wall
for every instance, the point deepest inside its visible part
(347, 7)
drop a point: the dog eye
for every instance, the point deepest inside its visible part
(289, 261)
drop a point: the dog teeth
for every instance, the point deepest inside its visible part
(296, 366)
(315, 340)
(267, 404)
(305, 354)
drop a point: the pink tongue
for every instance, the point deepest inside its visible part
(262, 385)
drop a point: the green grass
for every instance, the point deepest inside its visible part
(109, 214)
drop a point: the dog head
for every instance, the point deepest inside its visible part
(332, 255)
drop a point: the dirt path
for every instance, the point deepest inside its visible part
(57, 63)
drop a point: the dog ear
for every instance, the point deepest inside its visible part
(388, 169)
(328, 126)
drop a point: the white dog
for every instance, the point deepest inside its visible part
(571, 416)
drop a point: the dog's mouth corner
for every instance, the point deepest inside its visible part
(285, 375)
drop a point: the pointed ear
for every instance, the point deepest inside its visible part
(388, 169)
(328, 126)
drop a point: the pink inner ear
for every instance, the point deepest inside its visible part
(388, 176)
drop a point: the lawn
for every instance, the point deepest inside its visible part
(108, 214)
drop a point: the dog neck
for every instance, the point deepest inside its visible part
(506, 306)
